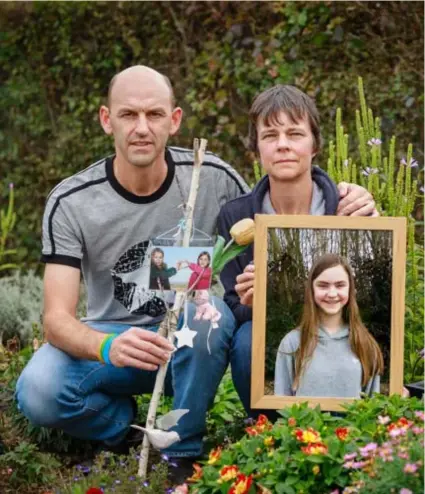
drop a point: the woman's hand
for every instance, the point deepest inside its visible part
(245, 285)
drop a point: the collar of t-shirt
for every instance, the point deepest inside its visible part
(317, 207)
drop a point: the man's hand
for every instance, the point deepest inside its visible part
(141, 349)
(245, 285)
(355, 201)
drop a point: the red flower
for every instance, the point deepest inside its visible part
(315, 449)
(214, 456)
(307, 436)
(292, 422)
(94, 490)
(197, 474)
(228, 472)
(251, 431)
(341, 433)
(242, 484)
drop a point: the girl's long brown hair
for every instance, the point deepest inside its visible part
(362, 343)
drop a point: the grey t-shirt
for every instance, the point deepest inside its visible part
(333, 371)
(317, 207)
(91, 222)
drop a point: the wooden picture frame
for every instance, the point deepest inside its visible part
(263, 224)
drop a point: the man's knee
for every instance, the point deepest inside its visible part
(37, 397)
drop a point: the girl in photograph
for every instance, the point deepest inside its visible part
(331, 353)
(200, 279)
(160, 273)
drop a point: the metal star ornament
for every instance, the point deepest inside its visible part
(185, 337)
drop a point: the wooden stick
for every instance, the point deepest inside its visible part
(169, 325)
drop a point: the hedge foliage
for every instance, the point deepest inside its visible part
(57, 58)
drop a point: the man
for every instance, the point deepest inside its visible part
(285, 132)
(100, 222)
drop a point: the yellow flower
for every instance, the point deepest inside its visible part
(242, 232)
(228, 473)
(214, 456)
(316, 469)
(268, 441)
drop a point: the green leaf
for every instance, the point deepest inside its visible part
(218, 249)
(230, 254)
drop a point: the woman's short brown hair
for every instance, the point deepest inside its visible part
(289, 99)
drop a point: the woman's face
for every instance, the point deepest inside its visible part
(331, 290)
(157, 259)
(204, 261)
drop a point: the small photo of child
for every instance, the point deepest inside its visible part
(200, 279)
(160, 274)
(180, 268)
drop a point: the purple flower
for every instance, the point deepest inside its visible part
(374, 141)
(405, 491)
(350, 456)
(165, 457)
(132, 477)
(358, 464)
(369, 448)
(146, 483)
(413, 163)
(369, 171)
(420, 414)
(410, 468)
(11, 185)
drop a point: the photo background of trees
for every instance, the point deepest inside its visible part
(291, 252)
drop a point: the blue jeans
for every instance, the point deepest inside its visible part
(240, 362)
(91, 400)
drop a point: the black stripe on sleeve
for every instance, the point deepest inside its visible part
(52, 212)
(60, 259)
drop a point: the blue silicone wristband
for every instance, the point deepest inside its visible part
(107, 348)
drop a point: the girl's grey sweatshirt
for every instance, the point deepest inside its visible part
(333, 370)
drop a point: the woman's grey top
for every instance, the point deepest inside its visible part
(333, 370)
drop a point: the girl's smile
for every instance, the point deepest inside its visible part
(331, 290)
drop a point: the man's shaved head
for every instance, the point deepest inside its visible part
(141, 71)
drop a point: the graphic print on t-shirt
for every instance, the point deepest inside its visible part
(131, 279)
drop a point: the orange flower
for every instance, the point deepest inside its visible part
(197, 473)
(307, 436)
(315, 449)
(341, 433)
(402, 423)
(292, 422)
(263, 424)
(242, 484)
(251, 431)
(214, 456)
(228, 473)
(268, 441)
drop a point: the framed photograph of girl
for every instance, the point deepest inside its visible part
(328, 311)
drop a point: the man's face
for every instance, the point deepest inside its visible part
(286, 148)
(141, 118)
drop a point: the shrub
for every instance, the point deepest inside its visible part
(21, 298)
(306, 450)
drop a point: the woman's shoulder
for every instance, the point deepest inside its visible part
(291, 341)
